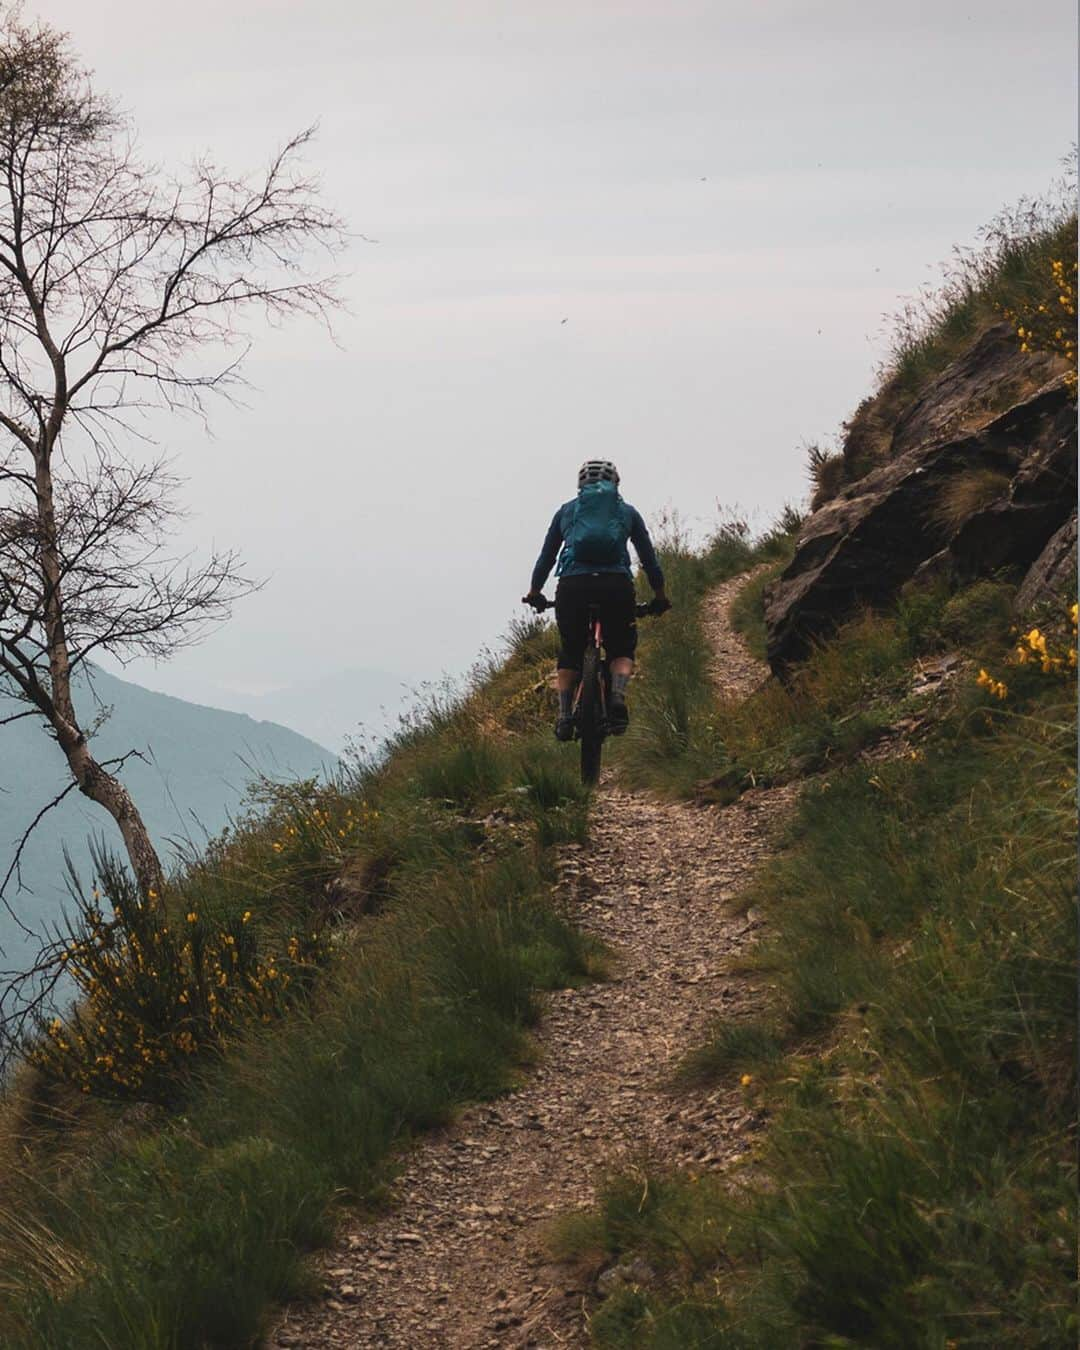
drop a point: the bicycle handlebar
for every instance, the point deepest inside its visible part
(542, 602)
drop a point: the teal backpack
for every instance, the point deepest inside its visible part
(597, 530)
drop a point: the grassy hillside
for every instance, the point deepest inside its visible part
(328, 980)
(916, 1183)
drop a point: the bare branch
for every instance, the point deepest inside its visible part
(121, 291)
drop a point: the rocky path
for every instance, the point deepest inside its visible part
(458, 1261)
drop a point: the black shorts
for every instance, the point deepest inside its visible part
(613, 595)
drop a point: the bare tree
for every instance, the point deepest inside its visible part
(120, 291)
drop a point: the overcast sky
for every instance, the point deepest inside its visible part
(721, 200)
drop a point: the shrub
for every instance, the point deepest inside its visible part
(747, 610)
(1047, 321)
(673, 737)
(155, 992)
(978, 615)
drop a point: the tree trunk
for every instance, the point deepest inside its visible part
(105, 789)
(94, 781)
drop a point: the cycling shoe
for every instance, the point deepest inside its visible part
(618, 718)
(564, 729)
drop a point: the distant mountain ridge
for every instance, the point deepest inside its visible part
(196, 765)
(332, 708)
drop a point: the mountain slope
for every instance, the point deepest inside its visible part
(197, 764)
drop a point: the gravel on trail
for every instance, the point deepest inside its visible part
(458, 1260)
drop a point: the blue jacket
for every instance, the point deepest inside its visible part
(556, 536)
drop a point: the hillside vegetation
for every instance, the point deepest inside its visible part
(332, 977)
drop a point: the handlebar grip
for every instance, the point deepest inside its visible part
(650, 608)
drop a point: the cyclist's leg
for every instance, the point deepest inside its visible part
(620, 639)
(570, 612)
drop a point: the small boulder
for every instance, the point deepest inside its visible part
(634, 1272)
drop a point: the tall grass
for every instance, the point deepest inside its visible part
(1022, 272)
(1008, 270)
(839, 701)
(673, 739)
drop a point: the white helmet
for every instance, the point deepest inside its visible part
(597, 471)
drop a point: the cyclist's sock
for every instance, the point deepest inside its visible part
(619, 686)
(566, 703)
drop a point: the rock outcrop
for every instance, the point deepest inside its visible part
(880, 531)
(1053, 573)
(992, 376)
(989, 377)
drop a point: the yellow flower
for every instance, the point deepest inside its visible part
(746, 1079)
(192, 917)
(247, 915)
(996, 688)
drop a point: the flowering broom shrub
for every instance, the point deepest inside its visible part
(155, 991)
(315, 839)
(1048, 322)
(1039, 650)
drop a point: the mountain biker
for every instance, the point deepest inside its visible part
(594, 569)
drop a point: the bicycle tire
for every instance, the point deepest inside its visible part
(590, 714)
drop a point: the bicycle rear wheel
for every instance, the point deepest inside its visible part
(591, 715)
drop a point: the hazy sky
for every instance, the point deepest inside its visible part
(721, 200)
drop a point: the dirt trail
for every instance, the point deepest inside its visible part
(458, 1261)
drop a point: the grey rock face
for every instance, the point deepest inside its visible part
(876, 535)
(1053, 573)
(991, 376)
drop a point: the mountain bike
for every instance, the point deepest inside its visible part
(593, 692)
